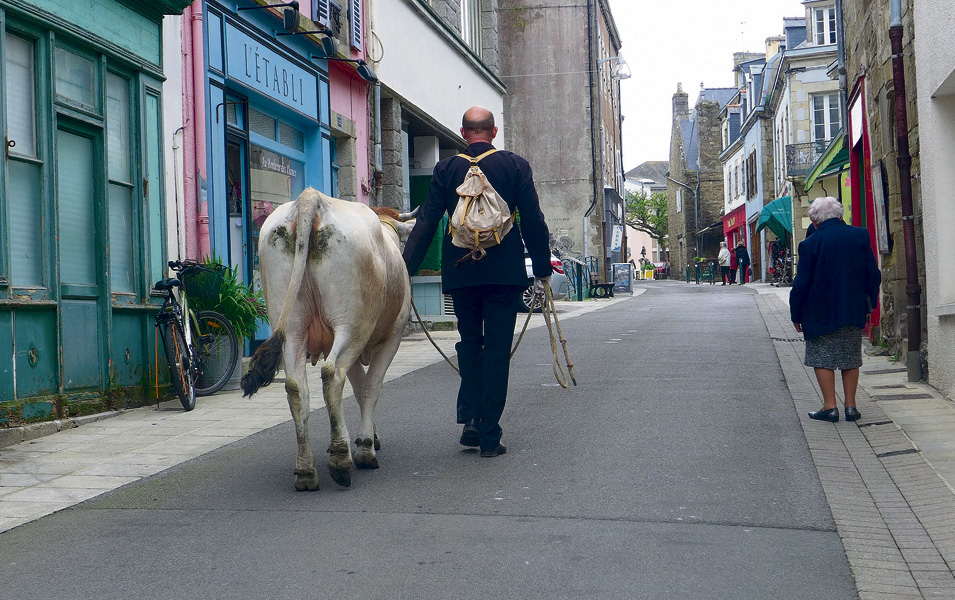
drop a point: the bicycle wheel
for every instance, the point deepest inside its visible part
(218, 348)
(177, 355)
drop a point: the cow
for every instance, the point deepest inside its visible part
(335, 288)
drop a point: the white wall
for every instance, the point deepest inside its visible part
(420, 66)
(935, 81)
(172, 102)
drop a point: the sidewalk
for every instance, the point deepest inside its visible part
(50, 471)
(888, 477)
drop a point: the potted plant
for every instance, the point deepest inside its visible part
(237, 302)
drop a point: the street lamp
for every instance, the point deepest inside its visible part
(620, 70)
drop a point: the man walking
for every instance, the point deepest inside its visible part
(485, 292)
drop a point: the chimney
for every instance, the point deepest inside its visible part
(681, 103)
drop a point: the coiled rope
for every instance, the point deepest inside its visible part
(548, 310)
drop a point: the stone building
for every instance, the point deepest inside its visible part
(873, 154)
(562, 66)
(695, 180)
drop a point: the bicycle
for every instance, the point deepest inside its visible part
(201, 347)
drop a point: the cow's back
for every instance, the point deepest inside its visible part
(355, 279)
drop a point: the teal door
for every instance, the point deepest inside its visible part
(81, 268)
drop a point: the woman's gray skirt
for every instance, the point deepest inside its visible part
(839, 350)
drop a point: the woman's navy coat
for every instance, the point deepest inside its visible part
(837, 271)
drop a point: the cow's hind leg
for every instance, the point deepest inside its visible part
(296, 389)
(365, 446)
(339, 451)
(367, 440)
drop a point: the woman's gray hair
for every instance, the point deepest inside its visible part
(825, 208)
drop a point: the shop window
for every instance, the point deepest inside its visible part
(291, 137)
(76, 79)
(153, 178)
(262, 124)
(24, 169)
(120, 191)
(21, 94)
(273, 180)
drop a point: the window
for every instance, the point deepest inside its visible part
(824, 23)
(122, 233)
(357, 24)
(679, 200)
(825, 117)
(322, 12)
(75, 78)
(24, 166)
(471, 24)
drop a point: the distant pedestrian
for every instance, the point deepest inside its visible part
(724, 260)
(742, 261)
(836, 286)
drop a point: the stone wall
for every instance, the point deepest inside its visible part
(539, 37)
(391, 191)
(711, 175)
(868, 55)
(448, 11)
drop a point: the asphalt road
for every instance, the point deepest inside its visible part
(677, 469)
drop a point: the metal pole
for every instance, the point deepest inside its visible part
(913, 290)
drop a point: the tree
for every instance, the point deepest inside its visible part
(648, 213)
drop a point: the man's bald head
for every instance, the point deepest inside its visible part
(478, 125)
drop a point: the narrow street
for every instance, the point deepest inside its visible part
(677, 469)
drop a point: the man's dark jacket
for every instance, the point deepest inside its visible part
(837, 272)
(511, 176)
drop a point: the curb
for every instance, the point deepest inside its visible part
(32, 431)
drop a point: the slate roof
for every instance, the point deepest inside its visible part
(652, 169)
(690, 142)
(721, 95)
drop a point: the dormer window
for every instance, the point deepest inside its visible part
(824, 25)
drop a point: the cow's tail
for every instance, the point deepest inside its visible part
(265, 362)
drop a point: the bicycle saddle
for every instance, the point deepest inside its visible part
(167, 284)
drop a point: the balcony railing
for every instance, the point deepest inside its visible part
(801, 157)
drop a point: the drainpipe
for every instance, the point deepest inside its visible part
(594, 124)
(190, 204)
(913, 290)
(199, 108)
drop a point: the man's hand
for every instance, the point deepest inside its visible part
(540, 282)
(798, 327)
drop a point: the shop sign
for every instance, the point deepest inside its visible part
(255, 65)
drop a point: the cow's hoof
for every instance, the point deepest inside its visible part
(365, 459)
(306, 481)
(340, 475)
(339, 467)
(377, 443)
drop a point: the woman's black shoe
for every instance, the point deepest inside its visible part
(852, 413)
(831, 415)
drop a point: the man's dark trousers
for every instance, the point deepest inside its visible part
(486, 317)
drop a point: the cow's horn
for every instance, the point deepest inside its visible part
(409, 216)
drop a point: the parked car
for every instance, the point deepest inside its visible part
(661, 270)
(558, 282)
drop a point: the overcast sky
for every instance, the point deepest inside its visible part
(688, 41)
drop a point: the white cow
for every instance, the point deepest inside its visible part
(335, 287)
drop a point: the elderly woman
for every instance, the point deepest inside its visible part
(836, 285)
(724, 260)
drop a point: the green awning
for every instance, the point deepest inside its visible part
(778, 217)
(833, 160)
